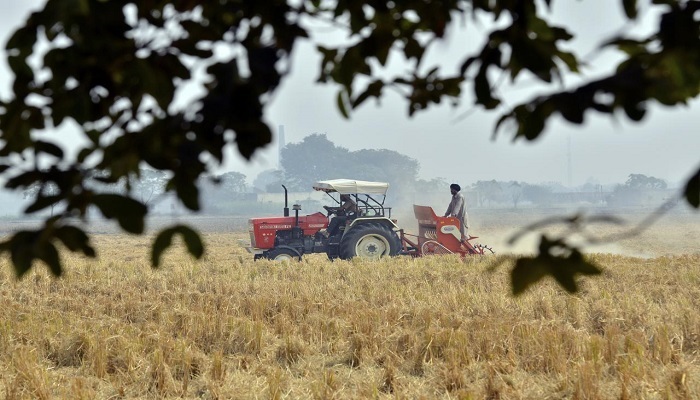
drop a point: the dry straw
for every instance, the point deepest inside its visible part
(440, 327)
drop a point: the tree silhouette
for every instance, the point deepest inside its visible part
(314, 158)
(114, 68)
(317, 158)
(640, 181)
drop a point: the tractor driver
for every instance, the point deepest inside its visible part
(458, 209)
(347, 207)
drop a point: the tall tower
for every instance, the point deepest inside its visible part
(280, 145)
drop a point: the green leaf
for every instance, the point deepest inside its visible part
(466, 64)
(413, 49)
(26, 246)
(165, 238)
(692, 190)
(75, 239)
(571, 108)
(153, 81)
(527, 272)
(160, 244)
(568, 267)
(25, 179)
(482, 90)
(85, 153)
(42, 202)
(48, 148)
(251, 137)
(634, 110)
(187, 192)
(47, 253)
(23, 39)
(629, 46)
(569, 59)
(630, 7)
(374, 89)
(21, 248)
(564, 275)
(192, 241)
(531, 125)
(341, 104)
(127, 211)
(21, 69)
(556, 258)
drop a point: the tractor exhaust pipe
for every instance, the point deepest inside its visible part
(286, 207)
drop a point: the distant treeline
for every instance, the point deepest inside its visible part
(317, 158)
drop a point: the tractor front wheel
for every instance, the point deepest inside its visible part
(369, 241)
(283, 254)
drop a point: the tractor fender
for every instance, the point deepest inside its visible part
(380, 220)
(294, 249)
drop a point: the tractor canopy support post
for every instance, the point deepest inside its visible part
(296, 208)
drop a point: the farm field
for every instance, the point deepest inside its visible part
(226, 327)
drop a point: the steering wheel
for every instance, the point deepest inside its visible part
(331, 210)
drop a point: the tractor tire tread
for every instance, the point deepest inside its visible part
(350, 239)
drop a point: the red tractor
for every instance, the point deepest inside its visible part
(361, 226)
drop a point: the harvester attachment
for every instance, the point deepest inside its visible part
(439, 235)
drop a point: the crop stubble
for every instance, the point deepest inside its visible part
(436, 327)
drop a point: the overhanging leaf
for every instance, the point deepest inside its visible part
(75, 239)
(165, 238)
(23, 39)
(187, 192)
(482, 90)
(531, 125)
(630, 7)
(128, 212)
(47, 253)
(634, 110)
(42, 202)
(555, 258)
(341, 104)
(48, 148)
(527, 272)
(692, 190)
(21, 248)
(160, 244)
(192, 241)
(374, 89)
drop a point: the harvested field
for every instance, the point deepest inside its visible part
(226, 327)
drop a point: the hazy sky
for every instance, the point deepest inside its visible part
(666, 144)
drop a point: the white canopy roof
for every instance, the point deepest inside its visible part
(351, 186)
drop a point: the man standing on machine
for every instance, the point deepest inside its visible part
(458, 209)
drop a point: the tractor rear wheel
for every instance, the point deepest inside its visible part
(369, 241)
(283, 254)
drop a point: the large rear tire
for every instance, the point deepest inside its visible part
(371, 241)
(283, 255)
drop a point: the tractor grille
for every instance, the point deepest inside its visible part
(251, 230)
